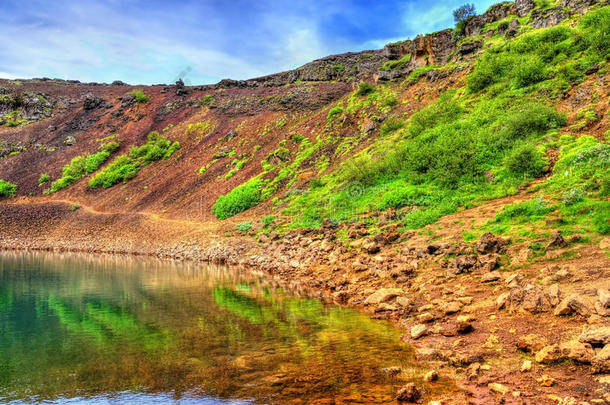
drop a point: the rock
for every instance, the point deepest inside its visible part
(596, 337)
(604, 297)
(605, 244)
(222, 152)
(557, 241)
(391, 371)
(469, 48)
(601, 361)
(70, 140)
(465, 264)
(554, 294)
(490, 277)
(577, 351)
(573, 303)
(526, 366)
(523, 7)
(513, 28)
(498, 388)
(464, 324)
(489, 262)
(490, 243)
(530, 298)
(403, 302)
(549, 354)
(127, 100)
(431, 376)
(418, 331)
(371, 247)
(546, 380)
(531, 343)
(451, 307)
(383, 295)
(472, 372)
(426, 317)
(502, 300)
(514, 280)
(92, 102)
(369, 127)
(409, 393)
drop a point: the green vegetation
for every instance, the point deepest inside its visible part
(80, 166)
(207, 100)
(391, 125)
(44, 177)
(7, 189)
(244, 226)
(333, 112)
(396, 64)
(239, 199)
(125, 167)
(267, 220)
(365, 88)
(340, 68)
(140, 96)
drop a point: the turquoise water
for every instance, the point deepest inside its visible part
(105, 329)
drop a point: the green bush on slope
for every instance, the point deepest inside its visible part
(7, 189)
(125, 167)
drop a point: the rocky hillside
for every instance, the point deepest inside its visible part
(456, 183)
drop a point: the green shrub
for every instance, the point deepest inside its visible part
(526, 211)
(396, 64)
(526, 161)
(241, 198)
(7, 189)
(365, 88)
(390, 125)
(268, 220)
(80, 166)
(125, 167)
(333, 112)
(339, 68)
(244, 226)
(297, 138)
(208, 99)
(529, 70)
(573, 196)
(44, 177)
(140, 96)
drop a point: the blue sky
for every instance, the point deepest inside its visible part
(148, 42)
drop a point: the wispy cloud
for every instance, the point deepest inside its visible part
(154, 41)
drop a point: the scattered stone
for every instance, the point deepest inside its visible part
(464, 324)
(383, 295)
(596, 337)
(426, 317)
(554, 294)
(489, 262)
(490, 277)
(604, 297)
(549, 354)
(472, 372)
(490, 243)
(418, 331)
(409, 393)
(526, 366)
(92, 102)
(546, 380)
(391, 371)
(431, 376)
(451, 308)
(498, 388)
(601, 361)
(530, 298)
(605, 244)
(573, 303)
(557, 241)
(371, 247)
(577, 351)
(502, 300)
(464, 264)
(403, 302)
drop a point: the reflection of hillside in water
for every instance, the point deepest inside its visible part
(80, 324)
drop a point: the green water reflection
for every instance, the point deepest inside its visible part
(83, 326)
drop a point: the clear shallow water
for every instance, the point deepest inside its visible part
(106, 330)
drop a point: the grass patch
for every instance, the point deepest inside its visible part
(7, 188)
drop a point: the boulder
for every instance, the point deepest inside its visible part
(577, 351)
(523, 7)
(557, 241)
(371, 246)
(431, 376)
(574, 303)
(596, 337)
(490, 243)
(604, 297)
(601, 361)
(92, 102)
(418, 331)
(383, 295)
(498, 388)
(491, 277)
(409, 393)
(529, 297)
(464, 264)
(549, 354)
(526, 366)
(531, 343)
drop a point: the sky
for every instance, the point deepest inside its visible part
(151, 41)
